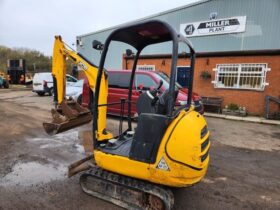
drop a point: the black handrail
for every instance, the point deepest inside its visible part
(116, 103)
(130, 88)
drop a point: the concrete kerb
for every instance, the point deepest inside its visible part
(245, 119)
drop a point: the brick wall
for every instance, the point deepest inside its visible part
(254, 101)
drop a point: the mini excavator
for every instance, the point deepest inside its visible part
(170, 145)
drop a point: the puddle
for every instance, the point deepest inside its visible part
(59, 140)
(67, 137)
(72, 139)
(211, 181)
(207, 181)
(31, 173)
(221, 178)
(44, 146)
(80, 148)
(267, 198)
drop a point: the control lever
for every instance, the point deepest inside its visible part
(155, 92)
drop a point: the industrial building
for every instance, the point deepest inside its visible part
(237, 45)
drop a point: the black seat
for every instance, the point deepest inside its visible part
(144, 145)
(148, 136)
(145, 104)
(162, 103)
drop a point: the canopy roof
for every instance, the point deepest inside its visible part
(141, 35)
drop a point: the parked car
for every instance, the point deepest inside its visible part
(75, 91)
(43, 83)
(144, 80)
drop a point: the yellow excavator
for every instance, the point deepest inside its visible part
(169, 147)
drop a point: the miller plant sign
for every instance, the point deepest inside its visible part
(214, 27)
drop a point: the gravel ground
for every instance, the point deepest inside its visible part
(244, 172)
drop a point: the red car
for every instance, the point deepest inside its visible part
(144, 80)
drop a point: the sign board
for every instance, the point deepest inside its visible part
(214, 27)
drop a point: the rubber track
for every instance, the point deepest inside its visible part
(139, 186)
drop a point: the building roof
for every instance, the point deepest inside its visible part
(261, 30)
(146, 18)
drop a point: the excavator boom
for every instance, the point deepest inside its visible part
(69, 114)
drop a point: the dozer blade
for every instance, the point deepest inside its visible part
(81, 165)
(68, 116)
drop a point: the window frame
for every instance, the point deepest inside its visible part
(72, 79)
(239, 73)
(145, 67)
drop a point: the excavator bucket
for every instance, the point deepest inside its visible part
(68, 116)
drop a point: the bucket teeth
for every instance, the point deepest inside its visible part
(70, 109)
(57, 117)
(69, 115)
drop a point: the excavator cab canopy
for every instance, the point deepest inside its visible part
(143, 35)
(140, 36)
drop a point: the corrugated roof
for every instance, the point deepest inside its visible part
(146, 18)
(261, 32)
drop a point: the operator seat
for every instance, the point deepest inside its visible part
(145, 103)
(152, 122)
(162, 103)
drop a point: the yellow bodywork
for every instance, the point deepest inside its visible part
(182, 157)
(180, 148)
(60, 53)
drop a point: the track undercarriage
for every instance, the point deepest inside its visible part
(124, 191)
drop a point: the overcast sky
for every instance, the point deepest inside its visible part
(33, 23)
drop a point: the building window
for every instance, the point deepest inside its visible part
(250, 76)
(146, 67)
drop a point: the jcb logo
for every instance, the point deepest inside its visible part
(82, 66)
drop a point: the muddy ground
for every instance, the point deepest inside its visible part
(244, 172)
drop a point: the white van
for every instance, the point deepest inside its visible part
(43, 83)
